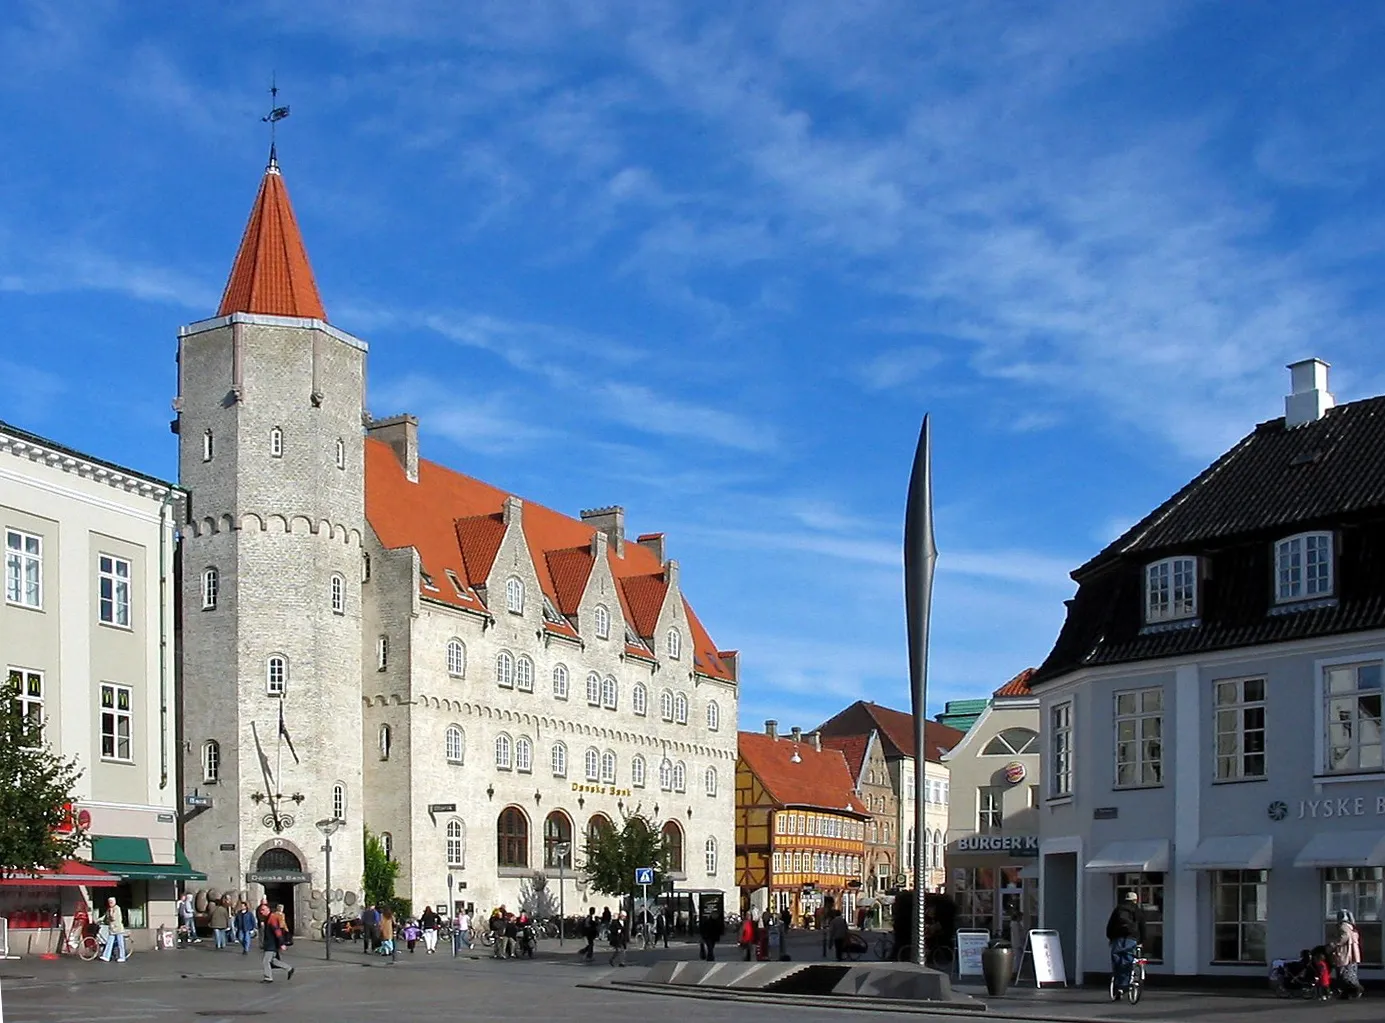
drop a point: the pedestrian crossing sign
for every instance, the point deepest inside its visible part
(644, 875)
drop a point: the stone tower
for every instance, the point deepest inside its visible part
(270, 403)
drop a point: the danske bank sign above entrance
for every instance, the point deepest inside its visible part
(1019, 845)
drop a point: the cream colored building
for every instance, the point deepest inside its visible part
(86, 632)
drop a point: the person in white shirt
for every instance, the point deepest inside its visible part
(113, 922)
(461, 930)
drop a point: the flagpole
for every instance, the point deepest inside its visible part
(279, 756)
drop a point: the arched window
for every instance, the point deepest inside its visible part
(276, 443)
(1012, 742)
(382, 653)
(680, 777)
(339, 801)
(386, 740)
(673, 844)
(211, 588)
(276, 675)
(365, 566)
(603, 622)
(666, 775)
(560, 682)
(675, 643)
(559, 760)
(338, 594)
(524, 754)
(713, 716)
(709, 779)
(593, 689)
(666, 705)
(609, 693)
(456, 844)
(207, 448)
(503, 750)
(592, 762)
(680, 709)
(211, 762)
(456, 745)
(557, 841)
(709, 855)
(514, 595)
(599, 825)
(512, 838)
(524, 674)
(637, 772)
(608, 768)
(505, 670)
(456, 658)
(639, 699)
(341, 453)
(387, 843)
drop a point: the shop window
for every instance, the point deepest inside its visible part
(1150, 889)
(1240, 902)
(1358, 890)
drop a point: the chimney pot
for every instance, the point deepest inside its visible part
(1310, 398)
(796, 733)
(772, 728)
(816, 739)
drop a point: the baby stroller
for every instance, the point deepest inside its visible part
(1301, 977)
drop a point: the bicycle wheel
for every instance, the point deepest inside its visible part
(1114, 992)
(88, 949)
(1137, 985)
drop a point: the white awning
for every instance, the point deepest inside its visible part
(1233, 852)
(1343, 849)
(1144, 856)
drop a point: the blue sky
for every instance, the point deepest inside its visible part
(714, 261)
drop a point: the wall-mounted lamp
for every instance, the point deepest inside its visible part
(538, 797)
(490, 791)
(656, 809)
(581, 802)
(690, 813)
(620, 805)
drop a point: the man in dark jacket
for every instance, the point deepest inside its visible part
(272, 942)
(710, 929)
(618, 934)
(591, 927)
(1125, 929)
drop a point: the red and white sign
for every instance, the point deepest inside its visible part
(1015, 772)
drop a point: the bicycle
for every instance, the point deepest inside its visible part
(81, 942)
(1135, 988)
(884, 948)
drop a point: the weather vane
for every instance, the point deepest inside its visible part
(275, 115)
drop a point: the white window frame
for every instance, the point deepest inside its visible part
(666, 704)
(610, 693)
(455, 840)
(560, 681)
(276, 442)
(666, 774)
(1005, 748)
(637, 772)
(208, 445)
(1291, 582)
(117, 723)
(456, 658)
(680, 777)
(990, 810)
(211, 762)
(276, 683)
(1171, 589)
(709, 856)
(1374, 659)
(454, 745)
(514, 595)
(557, 760)
(593, 689)
(211, 588)
(385, 740)
(504, 752)
(602, 615)
(1136, 755)
(505, 669)
(113, 608)
(338, 588)
(23, 569)
(387, 844)
(591, 764)
(524, 673)
(1232, 727)
(680, 708)
(713, 716)
(382, 653)
(609, 765)
(1060, 750)
(709, 781)
(524, 755)
(639, 699)
(339, 801)
(674, 643)
(341, 453)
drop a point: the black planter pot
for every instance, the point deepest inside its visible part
(997, 967)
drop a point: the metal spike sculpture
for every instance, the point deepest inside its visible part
(920, 555)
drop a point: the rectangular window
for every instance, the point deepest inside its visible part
(989, 813)
(1303, 567)
(26, 689)
(23, 569)
(115, 591)
(115, 722)
(1171, 589)
(1359, 891)
(1140, 738)
(1150, 889)
(1060, 750)
(1240, 900)
(382, 653)
(974, 892)
(1240, 723)
(1351, 717)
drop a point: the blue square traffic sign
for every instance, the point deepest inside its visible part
(644, 875)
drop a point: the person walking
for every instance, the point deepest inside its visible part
(387, 932)
(1344, 950)
(461, 930)
(187, 918)
(219, 920)
(245, 927)
(618, 934)
(838, 931)
(113, 922)
(709, 931)
(429, 923)
(1125, 930)
(591, 927)
(661, 928)
(274, 939)
(747, 936)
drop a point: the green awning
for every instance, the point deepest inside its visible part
(130, 859)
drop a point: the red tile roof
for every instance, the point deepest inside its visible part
(456, 522)
(896, 729)
(852, 747)
(820, 779)
(570, 570)
(271, 274)
(1017, 686)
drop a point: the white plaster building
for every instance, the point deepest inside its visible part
(476, 678)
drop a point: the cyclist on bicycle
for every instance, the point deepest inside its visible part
(1125, 930)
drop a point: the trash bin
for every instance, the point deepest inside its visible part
(997, 967)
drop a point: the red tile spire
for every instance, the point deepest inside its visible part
(272, 274)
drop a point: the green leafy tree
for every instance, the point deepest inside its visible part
(381, 872)
(36, 790)
(612, 854)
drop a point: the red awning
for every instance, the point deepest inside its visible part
(68, 875)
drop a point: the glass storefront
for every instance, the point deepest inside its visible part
(994, 898)
(1150, 888)
(1357, 890)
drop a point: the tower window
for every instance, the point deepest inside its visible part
(276, 675)
(341, 453)
(339, 801)
(210, 588)
(338, 594)
(639, 699)
(386, 741)
(382, 653)
(456, 658)
(455, 745)
(207, 445)
(211, 762)
(276, 443)
(365, 566)
(560, 682)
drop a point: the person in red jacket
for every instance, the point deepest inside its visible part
(748, 936)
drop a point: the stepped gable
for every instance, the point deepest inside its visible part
(852, 747)
(455, 523)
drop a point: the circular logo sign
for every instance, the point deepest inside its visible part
(1278, 810)
(1015, 772)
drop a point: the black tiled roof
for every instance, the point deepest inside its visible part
(1274, 482)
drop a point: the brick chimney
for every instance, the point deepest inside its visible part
(610, 521)
(655, 543)
(401, 434)
(796, 734)
(1310, 399)
(514, 509)
(772, 728)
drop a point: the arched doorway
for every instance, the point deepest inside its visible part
(673, 844)
(280, 871)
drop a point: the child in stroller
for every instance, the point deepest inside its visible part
(1308, 976)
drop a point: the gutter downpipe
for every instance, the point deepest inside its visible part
(164, 505)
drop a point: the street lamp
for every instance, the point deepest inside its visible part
(329, 827)
(563, 850)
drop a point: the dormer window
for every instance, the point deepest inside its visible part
(1171, 589)
(1303, 567)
